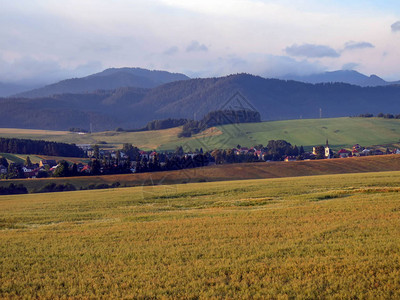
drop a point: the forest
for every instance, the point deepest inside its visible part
(26, 146)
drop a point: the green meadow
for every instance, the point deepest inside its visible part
(331, 236)
(341, 132)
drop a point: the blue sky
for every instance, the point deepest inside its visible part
(46, 40)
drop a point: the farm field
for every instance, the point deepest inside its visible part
(334, 236)
(228, 172)
(341, 132)
(20, 158)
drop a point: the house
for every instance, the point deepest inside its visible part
(53, 168)
(32, 173)
(357, 148)
(365, 152)
(343, 153)
(152, 155)
(3, 170)
(85, 169)
(144, 154)
(290, 158)
(47, 162)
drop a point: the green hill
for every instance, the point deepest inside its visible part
(341, 132)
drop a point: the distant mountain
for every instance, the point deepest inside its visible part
(8, 89)
(133, 107)
(107, 80)
(345, 76)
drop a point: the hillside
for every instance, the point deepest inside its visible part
(341, 132)
(133, 107)
(105, 110)
(108, 79)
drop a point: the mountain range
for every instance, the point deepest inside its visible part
(345, 76)
(107, 80)
(133, 107)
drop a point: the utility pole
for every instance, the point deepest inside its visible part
(320, 113)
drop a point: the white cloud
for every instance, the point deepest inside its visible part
(350, 66)
(396, 26)
(195, 46)
(171, 51)
(311, 51)
(357, 45)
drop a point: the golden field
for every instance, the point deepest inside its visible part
(330, 236)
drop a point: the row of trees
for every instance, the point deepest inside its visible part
(13, 189)
(220, 117)
(26, 146)
(380, 115)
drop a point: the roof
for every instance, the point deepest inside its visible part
(343, 151)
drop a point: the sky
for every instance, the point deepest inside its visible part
(46, 41)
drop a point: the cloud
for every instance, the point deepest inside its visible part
(265, 65)
(195, 46)
(33, 71)
(396, 26)
(357, 45)
(350, 66)
(311, 51)
(171, 51)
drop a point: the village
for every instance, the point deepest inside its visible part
(133, 160)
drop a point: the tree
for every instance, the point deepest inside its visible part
(301, 150)
(320, 152)
(62, 169)
(217, 154)
(95, 167)
(74, 170)
(4, 162)
(96, 151)
(28, 162)
(179, 151)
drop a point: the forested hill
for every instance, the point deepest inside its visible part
(274, 99)
(108, 79)
(133, 108)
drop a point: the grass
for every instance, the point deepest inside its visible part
(341, 132)
(333, 236)
(146, 140)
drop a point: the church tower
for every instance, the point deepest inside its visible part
(327, 150)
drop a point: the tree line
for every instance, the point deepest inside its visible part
(380, 115)
(220, 117)
(39, 147)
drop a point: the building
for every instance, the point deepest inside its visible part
(328, 151)
(3, 169)
(343, 153)
(47, 162)
(290, 158)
